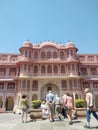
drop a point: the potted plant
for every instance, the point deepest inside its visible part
(80, 109)
(36, 104)
(36, 112)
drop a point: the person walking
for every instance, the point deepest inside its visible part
(90, 107)
(63, 108)
(50, 98)
(24, 106)
(68, 104)
(58, 107)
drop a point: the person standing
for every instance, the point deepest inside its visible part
(24, 106)
(90, 107)
(50, 98)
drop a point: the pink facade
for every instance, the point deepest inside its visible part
(41, 67)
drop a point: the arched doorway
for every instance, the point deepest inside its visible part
(96, 101)
(9, 103)
(47, 87)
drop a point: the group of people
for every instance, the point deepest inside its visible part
(53, 107)
(58, 107)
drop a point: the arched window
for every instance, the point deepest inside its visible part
(11, 85)
(12, 71)
(55, 54)
(43, 54)
(43, 69)
(1, 86)
(84, 71)
(93, 71)
(64, 84)
(70, 84)
(35, 85)
(55, 69)
(61, 54)
(2, 71)
(49, 69)
(68, 67)
(25, 53)
(62, 69)
(35, 54)
(35, 69)
(71, 52)
(73, 67)
(29, 53)
(25, 67)
(49, 55)
(28, 84)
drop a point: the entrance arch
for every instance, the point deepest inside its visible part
(49, 86)
(96, 101)
(9, 103)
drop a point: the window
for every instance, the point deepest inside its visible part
(49, 55)
(28, 84)
(1, 86)
(62, 69)
(25, 53)
(35, 69)
(35, 54)
(61, 54)
(29, 53)
(93, 71)
(35, 85)
(85, 85)
(55, 54)
(70, 83)
(25, 67)
(43, 69)
(64, 84)
(84, 71)
(71, 52)
(23, 84)
(49, 69)
(95, 85)
(11, 86)
(55, 69)
(75, 83)
(12, 71)
(2, 71)
(43, 55)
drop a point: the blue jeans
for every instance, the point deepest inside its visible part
(88, 113)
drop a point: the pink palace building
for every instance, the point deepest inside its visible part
(39, 68)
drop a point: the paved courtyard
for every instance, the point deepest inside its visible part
(10, 121)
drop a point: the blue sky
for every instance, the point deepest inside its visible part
(54, 20)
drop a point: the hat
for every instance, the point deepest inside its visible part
(86, 90)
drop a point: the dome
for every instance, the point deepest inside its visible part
(27, 44)
(48, 43)
(70, 44)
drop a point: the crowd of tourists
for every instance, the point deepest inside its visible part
(56, 108)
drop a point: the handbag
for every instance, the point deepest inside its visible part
(65, 108)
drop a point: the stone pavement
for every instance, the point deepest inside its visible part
(10, 121)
